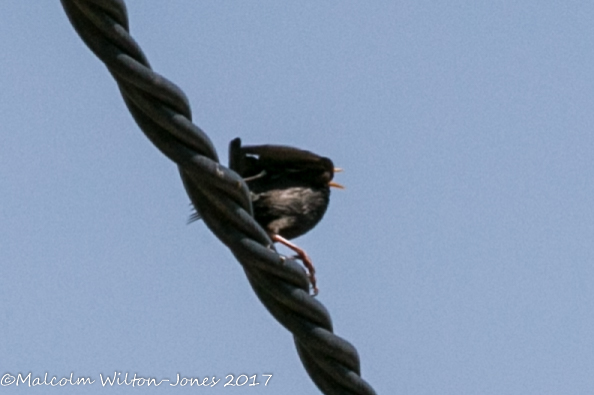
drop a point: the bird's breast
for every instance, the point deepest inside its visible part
(291, 211)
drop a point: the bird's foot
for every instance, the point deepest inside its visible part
(303, 257)
(311, 271)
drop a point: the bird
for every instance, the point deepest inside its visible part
(289, 189)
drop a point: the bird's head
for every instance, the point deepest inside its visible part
(320, 172)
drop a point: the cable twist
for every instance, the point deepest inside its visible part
(162, 112)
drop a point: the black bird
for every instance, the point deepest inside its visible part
(289, 188)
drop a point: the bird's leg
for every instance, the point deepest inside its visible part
(304, 258)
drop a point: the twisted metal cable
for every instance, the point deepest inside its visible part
(162, 111)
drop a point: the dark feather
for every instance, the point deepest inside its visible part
(289, 190)
(289, 186)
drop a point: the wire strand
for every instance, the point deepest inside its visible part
(221, 197)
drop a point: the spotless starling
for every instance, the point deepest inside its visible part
(289, 188)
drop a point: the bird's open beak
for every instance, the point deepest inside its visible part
(335, 185)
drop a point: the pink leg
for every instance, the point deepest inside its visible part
(304, 258)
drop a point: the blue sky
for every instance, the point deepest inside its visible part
(459, 260)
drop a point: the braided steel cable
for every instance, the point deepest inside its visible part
(162, 112)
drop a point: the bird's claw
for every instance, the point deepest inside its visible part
(303, 257)
(311, 271)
